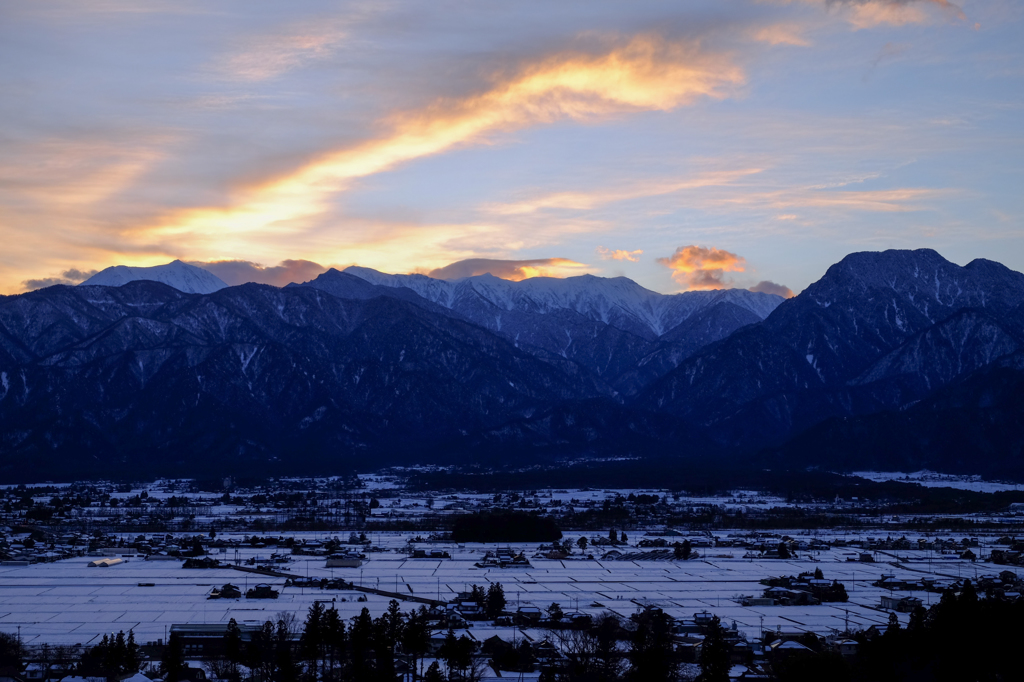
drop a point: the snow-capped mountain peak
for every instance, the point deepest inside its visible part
(182, 276)
(617, 301)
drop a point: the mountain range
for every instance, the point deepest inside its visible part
(898, 359)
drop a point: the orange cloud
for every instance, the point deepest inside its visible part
(619, 254)
(701, 267)
(647, 73)
(863, 14)
(515, 270)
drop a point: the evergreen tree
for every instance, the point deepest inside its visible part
(311, 644)
(172, 663)
(714, 656)
(361, 643)
(434, 673)
(12, 652)
(495, 600)
(416, 638)
(652, 654)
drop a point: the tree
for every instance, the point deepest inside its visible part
(434, 673)
(416, 638)
(311, 644)
(285, 668)
(622, 538)
(894, 624)
(495, 600)
(652, 654)
(361, 640)
(457, 654)
(613, 536)
(682, 551)
(784, 551)
(172, 663)
(11, 651)
(582, 543)
(555, 612)
(714, 657)
(818, 575)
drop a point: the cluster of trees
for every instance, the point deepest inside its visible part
(961, 638)
(115, 657)
(492, 599)
(367, 649)
(502, 526)
(642, 650)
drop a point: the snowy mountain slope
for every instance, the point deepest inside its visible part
(838, 348)
(182, 276)
(617, 301)
(249, 373)
(602, 324)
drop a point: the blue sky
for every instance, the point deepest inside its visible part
(681, 144)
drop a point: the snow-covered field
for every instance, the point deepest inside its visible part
(68, 602)
(932, 479)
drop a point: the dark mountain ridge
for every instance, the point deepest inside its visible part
(893, 359)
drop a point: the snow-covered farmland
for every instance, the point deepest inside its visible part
(69, 602)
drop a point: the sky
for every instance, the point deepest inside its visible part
(685, 145)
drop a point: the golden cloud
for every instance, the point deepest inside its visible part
(647, 73)
(619, 254)
(702, 267)
(515, 270)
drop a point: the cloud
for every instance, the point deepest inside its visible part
(766, 287)
(269, 56)
(701, 267)
(68, 277)
(645, 74)
(781, 34)
(863, 14)
(515, 270)
(590, 199)
(234, 272)
(619, 254)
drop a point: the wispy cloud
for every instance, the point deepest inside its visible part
(781, 34)
(646, 73)
(267, 56)
(863, 14)
(68, 277)
(594, 198)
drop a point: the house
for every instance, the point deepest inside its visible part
(349, 560)
(529, 614)
(901, 604)
(207, 640)
(847, 648)
(782, 650)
